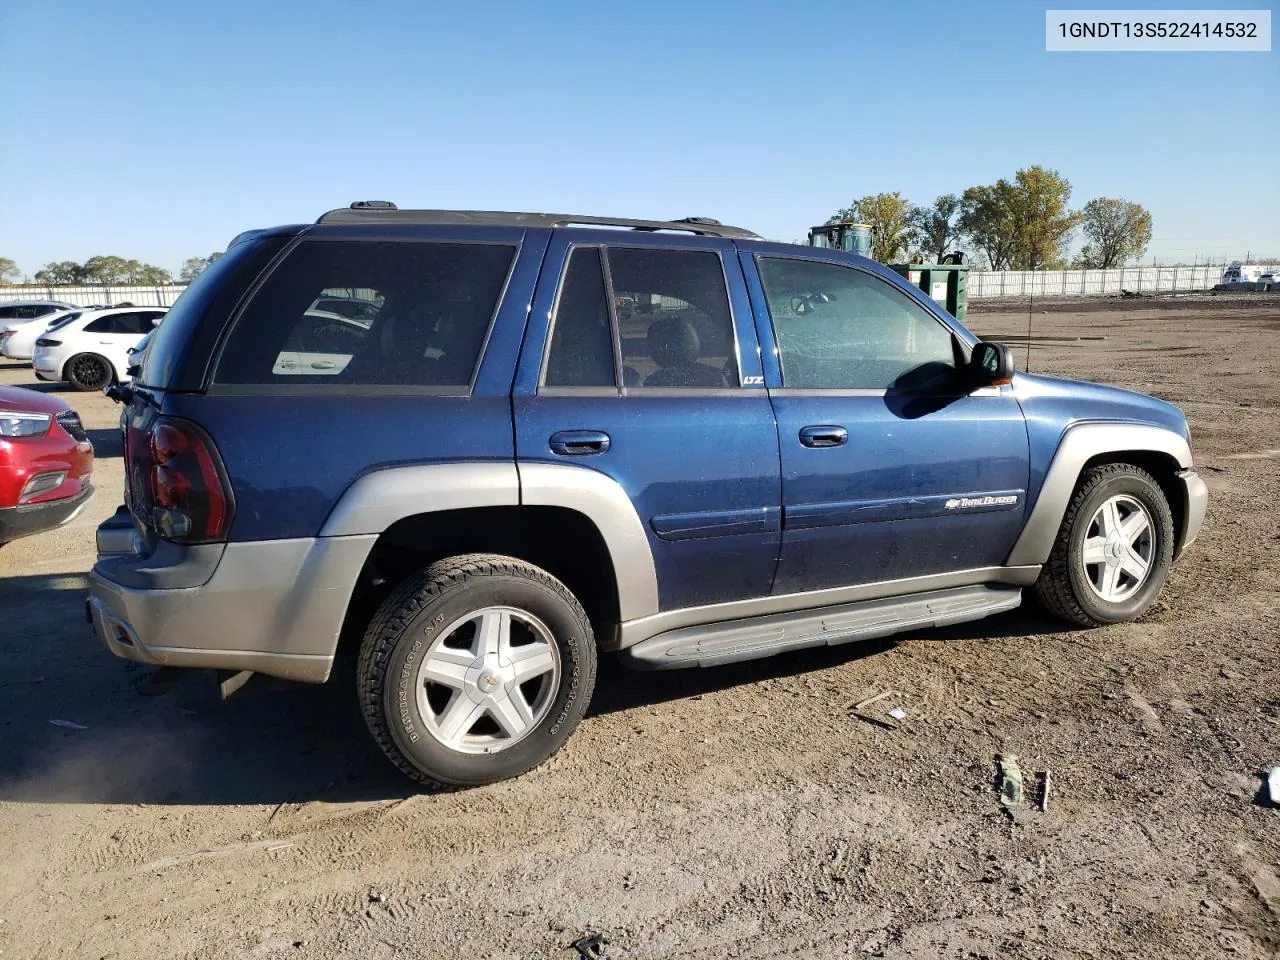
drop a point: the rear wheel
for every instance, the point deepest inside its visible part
(475, 670)
(87, 371)
(1113, 551)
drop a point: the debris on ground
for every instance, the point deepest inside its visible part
(898, 713)
(68, 725)
(1043, 776)
(590, 947)
(863, 704)
(1010, 780)
(1269, 795)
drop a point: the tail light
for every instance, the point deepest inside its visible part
(45, 342)
(184, 490)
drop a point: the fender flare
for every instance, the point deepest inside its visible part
(1080, 443)
(377, 500)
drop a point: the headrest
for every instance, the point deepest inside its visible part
(673, 341)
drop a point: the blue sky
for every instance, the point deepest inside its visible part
(160, 130)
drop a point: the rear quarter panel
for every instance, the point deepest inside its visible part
(290, 457)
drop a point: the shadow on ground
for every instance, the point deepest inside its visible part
(107, 442)
(273, 742)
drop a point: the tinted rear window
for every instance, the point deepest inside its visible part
(406, 314)
(28, 311)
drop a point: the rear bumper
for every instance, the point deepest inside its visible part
(1197, 500)
(32, 518)
(273, 606)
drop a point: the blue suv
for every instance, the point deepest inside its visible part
(485, 447)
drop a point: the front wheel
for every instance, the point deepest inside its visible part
(475, 670)
(1113, 551)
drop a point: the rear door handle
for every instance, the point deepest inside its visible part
(579, 443)
(824, 435)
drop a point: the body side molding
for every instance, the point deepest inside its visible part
(377, 500)
(601, 500)
(1080, 443)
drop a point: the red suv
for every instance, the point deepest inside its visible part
(46, 461)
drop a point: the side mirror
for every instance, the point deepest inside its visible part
(991, 365)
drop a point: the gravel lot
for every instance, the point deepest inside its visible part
(744, 811)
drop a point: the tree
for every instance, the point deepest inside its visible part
(1118, 230)
(61, 272)
(1020, 224)
(886, 214)
(150, 275)
(9, 272)
(192, 267)
(104, 270)
(936, 228)
(986, 218)
(1042, 222)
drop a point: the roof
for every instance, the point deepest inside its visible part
(378, 211)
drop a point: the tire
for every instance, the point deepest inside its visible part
(88, 371)
(447, 711)
(1092, 577)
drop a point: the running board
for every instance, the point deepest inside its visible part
(715, 643)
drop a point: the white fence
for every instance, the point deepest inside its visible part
(106, 296)
(987, 284)
(982, 284)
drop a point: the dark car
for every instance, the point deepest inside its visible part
(553, 437)
(46, 462)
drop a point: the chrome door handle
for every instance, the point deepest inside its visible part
(823, 435)
(579, 443)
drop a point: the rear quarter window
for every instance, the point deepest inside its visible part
(177, 356)
(374, 313)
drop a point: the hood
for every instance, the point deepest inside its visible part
(30, 401)
(1068, 401)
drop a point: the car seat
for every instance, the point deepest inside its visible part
(675, 347)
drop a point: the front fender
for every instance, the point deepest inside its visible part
(1080, 443)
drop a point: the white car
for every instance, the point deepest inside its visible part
(20, 311)
(18, 338)
(93, 350)
(17, 314)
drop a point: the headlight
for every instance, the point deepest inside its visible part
(24, 424)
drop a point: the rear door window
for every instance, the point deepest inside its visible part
(670, 321)
(673, 318)
(406, 314)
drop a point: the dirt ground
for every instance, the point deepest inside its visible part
(736, 812)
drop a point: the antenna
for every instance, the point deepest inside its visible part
(1030, 305)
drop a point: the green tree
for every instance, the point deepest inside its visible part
(106, 269)
(1117, 230)
(1042, 221)
(986, 218)
(192, 267)
(1020, 224)
(936, 228)
(150, 275)
(9, 272)
(61, 272)
(886, 214)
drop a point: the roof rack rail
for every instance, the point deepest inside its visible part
(382, 211)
